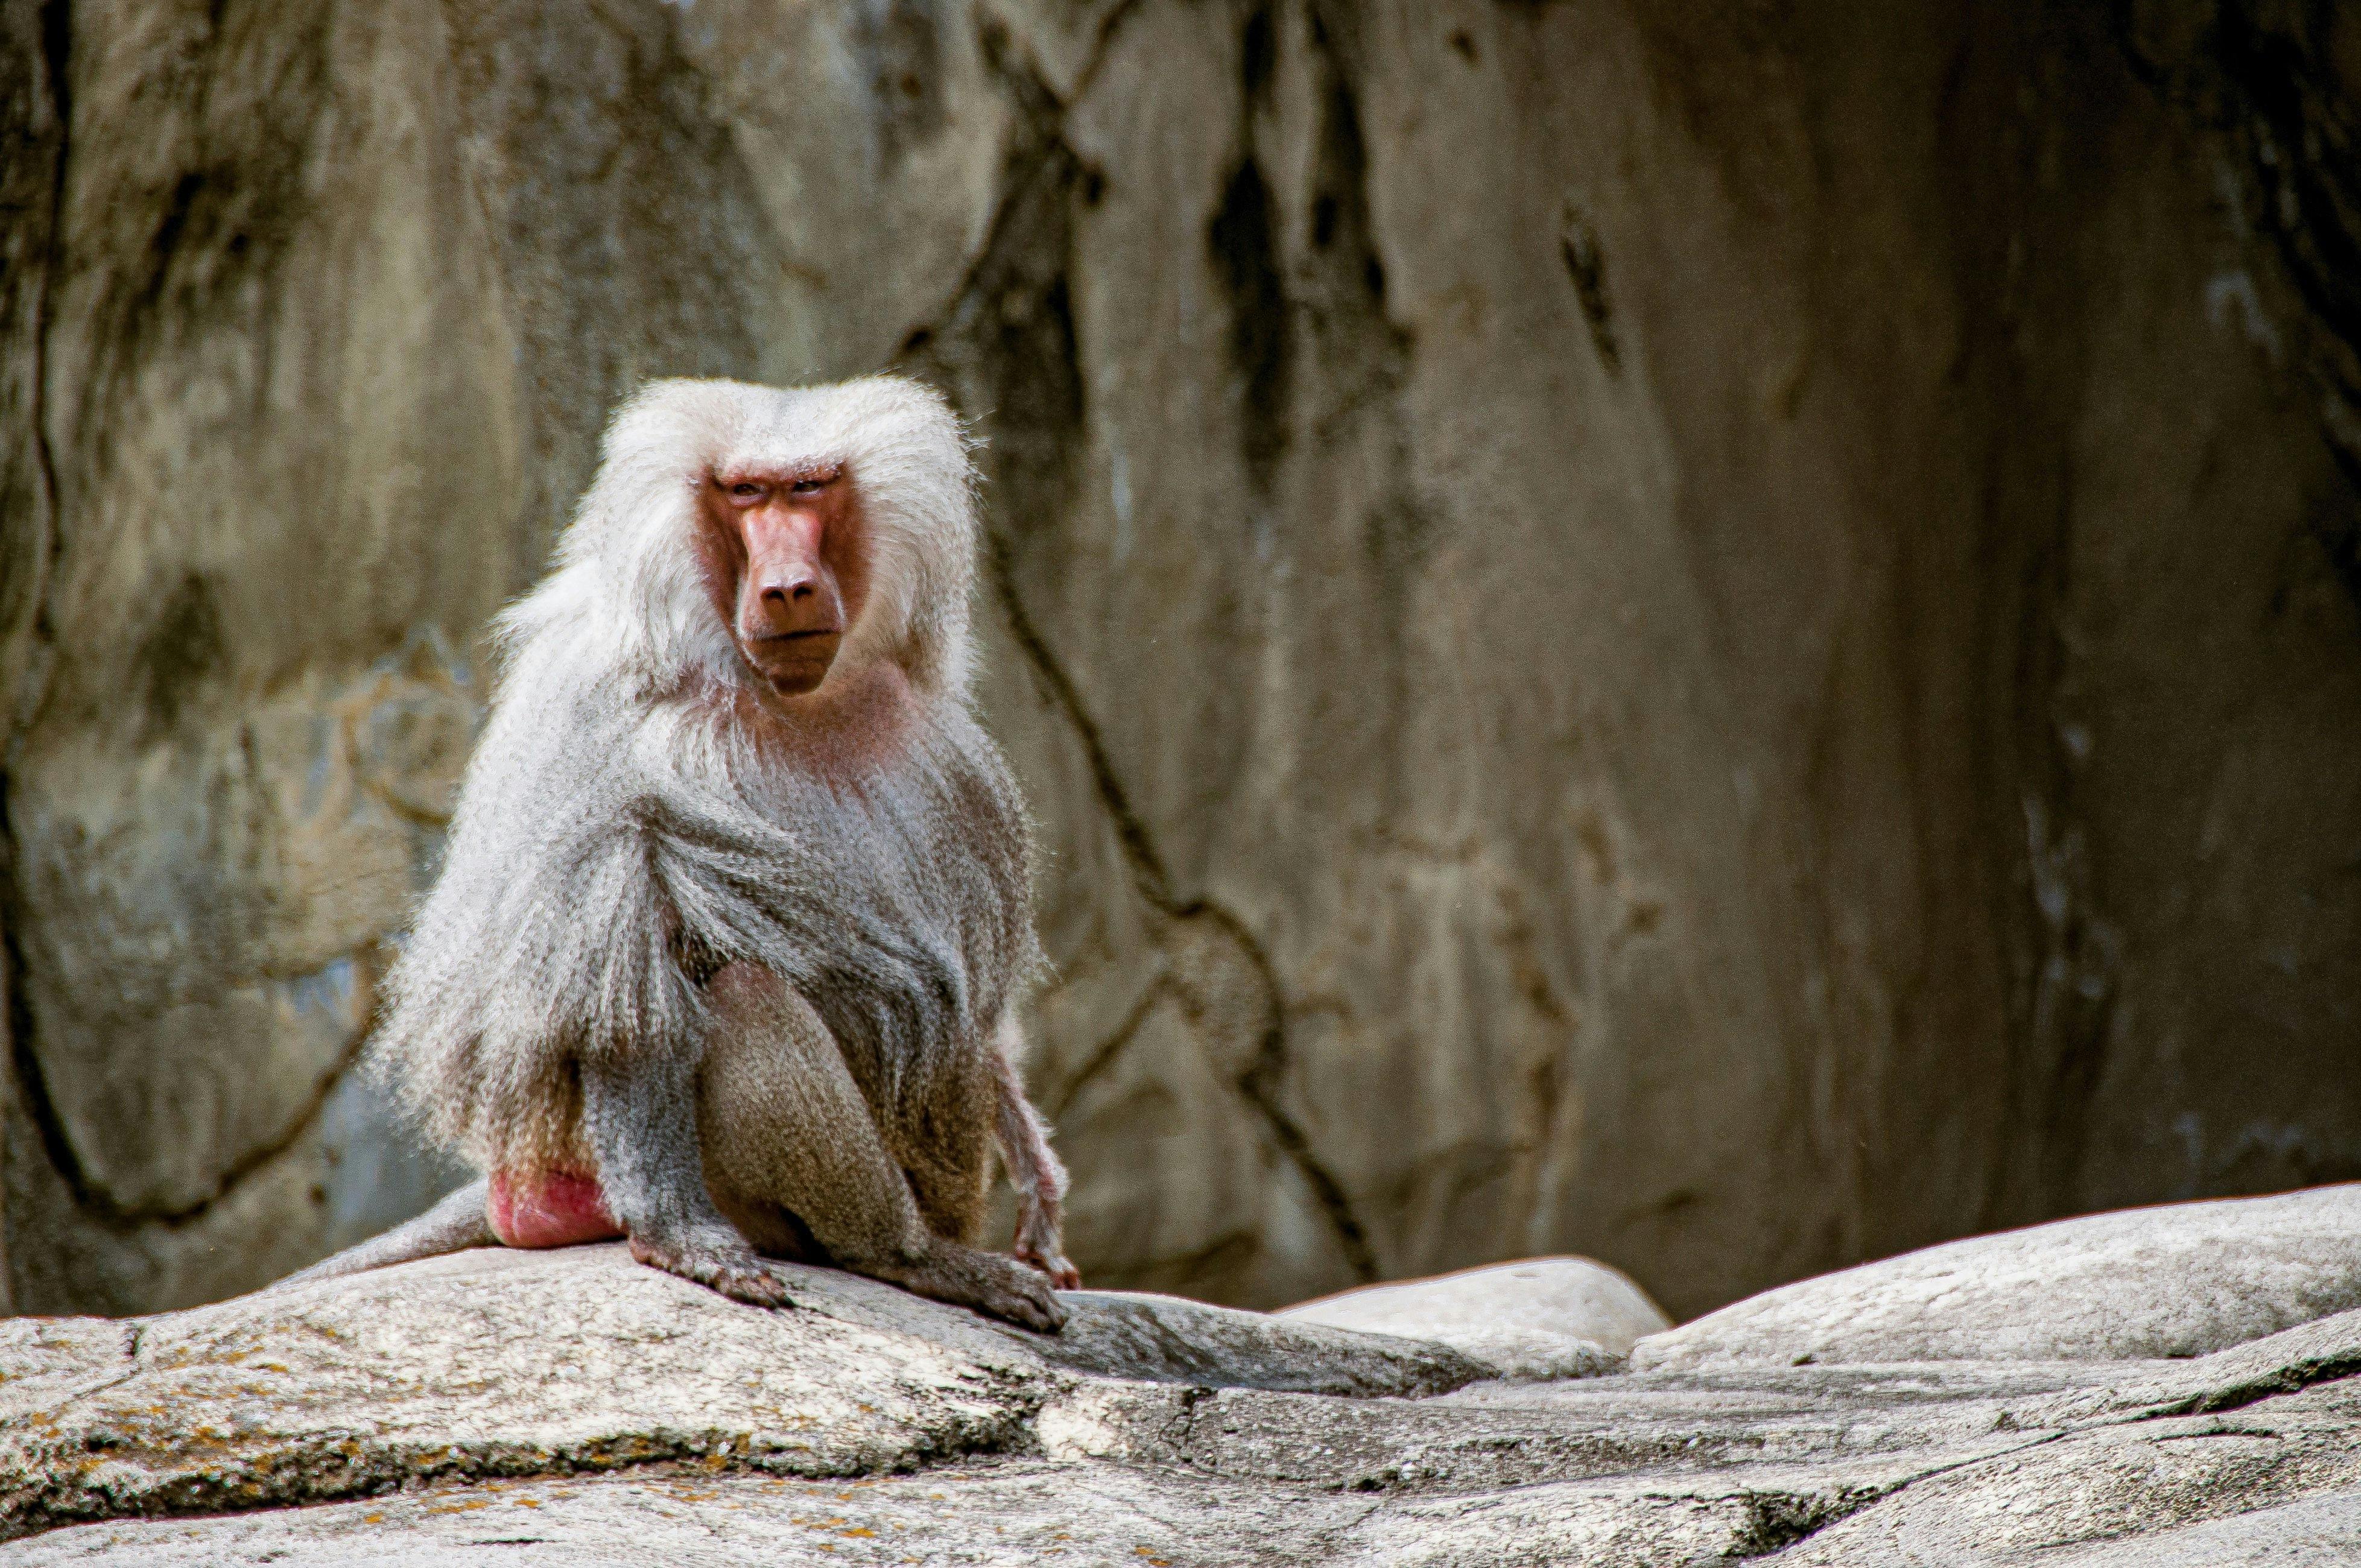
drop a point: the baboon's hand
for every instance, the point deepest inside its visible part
(1039, 1242)
(732, 1269)
(1020, 1296)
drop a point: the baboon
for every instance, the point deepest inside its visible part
(727, 946)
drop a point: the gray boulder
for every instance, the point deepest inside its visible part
(2176, 1280)
(1536, 1318)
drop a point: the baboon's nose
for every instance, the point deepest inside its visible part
(792, 600)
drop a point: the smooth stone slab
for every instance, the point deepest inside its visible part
(1535, 1318)
(2176, 1280)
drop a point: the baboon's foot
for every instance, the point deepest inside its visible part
(996, 1286)
(1051, 1261)
(729, 1268)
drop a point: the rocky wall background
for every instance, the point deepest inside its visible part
(1724, 636)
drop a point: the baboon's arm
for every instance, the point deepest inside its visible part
(641, 1115)
(788, 1131)
(1034, 1168)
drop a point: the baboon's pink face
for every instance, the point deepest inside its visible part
(786, 563)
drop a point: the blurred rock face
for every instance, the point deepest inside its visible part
(1726, 640)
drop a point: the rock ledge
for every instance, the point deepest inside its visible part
(573, 1407)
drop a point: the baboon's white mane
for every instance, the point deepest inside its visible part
(627, 589)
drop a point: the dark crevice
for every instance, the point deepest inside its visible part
(32, 1095)
(1147, 867)
(1241, 240)
(56, 49)
(40, 1103)
(1257, 56)
(1262, 1082)
(1007, 344)
(2331, 1368)
(1586, 265)
(2264, 80)
(1783, 1519)
(1245, 251)
(2340, 535)
(1777, 1521)
(1361, 355)
(1341, 202)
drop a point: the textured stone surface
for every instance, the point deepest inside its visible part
(1539, 1317)
(1721, 637)
(2183, 1279)
(507, 1363)
(577, 1407)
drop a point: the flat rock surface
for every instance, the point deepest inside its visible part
(575, 1408)
(2176, 1280)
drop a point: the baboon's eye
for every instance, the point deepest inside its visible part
(806, 486)
(746, 490)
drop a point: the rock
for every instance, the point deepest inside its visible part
(1170, 1339)
(2178, 1280)
(1612, 657)
(2323, 1529)
(573, 1406)
(1537, 1318)
(2154, 1481)
(513, 1363)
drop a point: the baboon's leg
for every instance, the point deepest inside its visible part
(785, 1126)
(942, 1141)
(642, 1120)
(455, 1224)
(1034, 1168)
